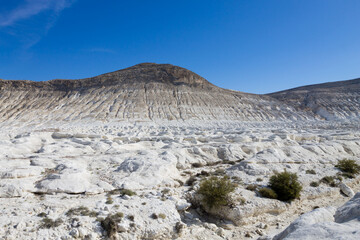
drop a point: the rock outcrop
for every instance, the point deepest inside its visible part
(325, 223)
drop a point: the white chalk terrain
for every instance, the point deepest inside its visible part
(68, 148)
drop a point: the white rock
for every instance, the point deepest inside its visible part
(316, 216)
(346, 190)
(182, 205)
(349, 211)
(9, 190)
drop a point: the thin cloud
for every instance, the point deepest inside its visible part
(14, 22)
(31, 8)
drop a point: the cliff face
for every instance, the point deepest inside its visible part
(151, 91)
(335, 100)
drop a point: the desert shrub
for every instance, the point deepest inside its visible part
(347, 175)
(348, 166)
(83, 211)
(42, 214)
(259, 179)
(49, 223)
(285, 185)
(310, 172)
(179, 227)
(329, 180)
(197, 165)
(268, 193)
(252, 187)
(314, 184)
(216, 191)
(109, 200)
(109, 224)
(127, 192)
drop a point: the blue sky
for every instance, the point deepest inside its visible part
(257, 46)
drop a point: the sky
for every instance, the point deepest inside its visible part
(257, 46)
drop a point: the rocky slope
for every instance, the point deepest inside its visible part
(142, 92)
(335, 100)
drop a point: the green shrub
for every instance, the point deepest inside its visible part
(347, 175)
(49, 223)
(216, 190)
(127, 192)
(329, 180)
(83, 211)
(348, 166)
(109, 200)
(197, 165)
(314, 184)
(42, 214)
(310, 172)
(252, 187)
(285, 185)
(110, 225)
(268, 193)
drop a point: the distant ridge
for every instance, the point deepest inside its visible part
(140, 73)
(332, 100)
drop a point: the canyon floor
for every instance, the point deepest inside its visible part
(59, 181)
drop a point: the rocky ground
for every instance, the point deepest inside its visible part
(61, 181)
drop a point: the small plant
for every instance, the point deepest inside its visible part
(162, 215)
(219, 172)
(49, 223)
(127, 192)
(314, 184)
(42, 214)
(268, 193)
(347, 175)
(310, 172)
(329, 180)
(259, 179)
(285, 185)
(252, 187)
(197, 165)
(348, 166)
(179, 227)
(154, 216)
(131, 217)
(165, 191)
(109, 224)
(109, 200)
(83, 211)
(242, 200)
(216, 191)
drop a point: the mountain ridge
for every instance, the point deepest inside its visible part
(150, 91)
